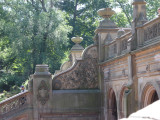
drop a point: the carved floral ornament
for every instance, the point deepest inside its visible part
(43, 92)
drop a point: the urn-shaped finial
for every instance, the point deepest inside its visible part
(77, 40)
(105, 12)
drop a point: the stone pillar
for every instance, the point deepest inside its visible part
(139, 14)
(77, 49)
(42, 91)
(140, 37)
(104, 28)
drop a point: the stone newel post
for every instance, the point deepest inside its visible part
(42, 90)
(77, 49)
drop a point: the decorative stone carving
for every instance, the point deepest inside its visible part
(148, 68)
(106, 13)
(83, 75)
(43, 92)
(108, 38)
(17, 103)
(57, 84)
(77, 40)
(152, 32)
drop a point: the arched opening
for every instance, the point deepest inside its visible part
(149, 95)
(122, 103)
(154, 97)
(112, 106)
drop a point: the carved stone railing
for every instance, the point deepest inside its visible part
(149, 32)
(117, 47)
(15, 103)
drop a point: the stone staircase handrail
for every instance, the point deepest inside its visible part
(13, 103)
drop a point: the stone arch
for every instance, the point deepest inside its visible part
(149, 95)
(112, 105)
(122, 102)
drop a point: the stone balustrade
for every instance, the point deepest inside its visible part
(149, 32)
(14, 103)
(152, 31)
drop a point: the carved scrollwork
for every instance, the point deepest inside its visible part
(43, 92)
(84, 75)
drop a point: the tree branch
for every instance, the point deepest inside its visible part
(124, 11)
(43, 5)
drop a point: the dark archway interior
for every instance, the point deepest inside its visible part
(154, 97)
(114, 107)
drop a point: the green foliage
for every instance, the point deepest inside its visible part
(152, 7)
(120, 20)
(37, 32)
(8, 80)
(31, 32)
(82, 16)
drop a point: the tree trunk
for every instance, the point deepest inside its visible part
(74, 17)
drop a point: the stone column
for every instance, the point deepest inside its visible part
(140, 37)
(42, 91)
(77, 49)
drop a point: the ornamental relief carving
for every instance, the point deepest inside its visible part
(43, 92)
(15, 104)
(152, 32)
(83, 76)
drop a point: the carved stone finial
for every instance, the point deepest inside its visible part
(77, 40)
(105, 12)
(77, 49)
(106, 23)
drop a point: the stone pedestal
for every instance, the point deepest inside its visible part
(42, 91)
(77, 49)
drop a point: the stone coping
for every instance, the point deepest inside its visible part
(149, 22)
(121, 38)
(104, 30)
(75, 63)
(77, 91)
(14, 97)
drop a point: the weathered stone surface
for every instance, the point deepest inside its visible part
(83, 75)
(112, 79)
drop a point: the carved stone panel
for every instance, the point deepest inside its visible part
(84, 74)
(43, 92)
(152, 32)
